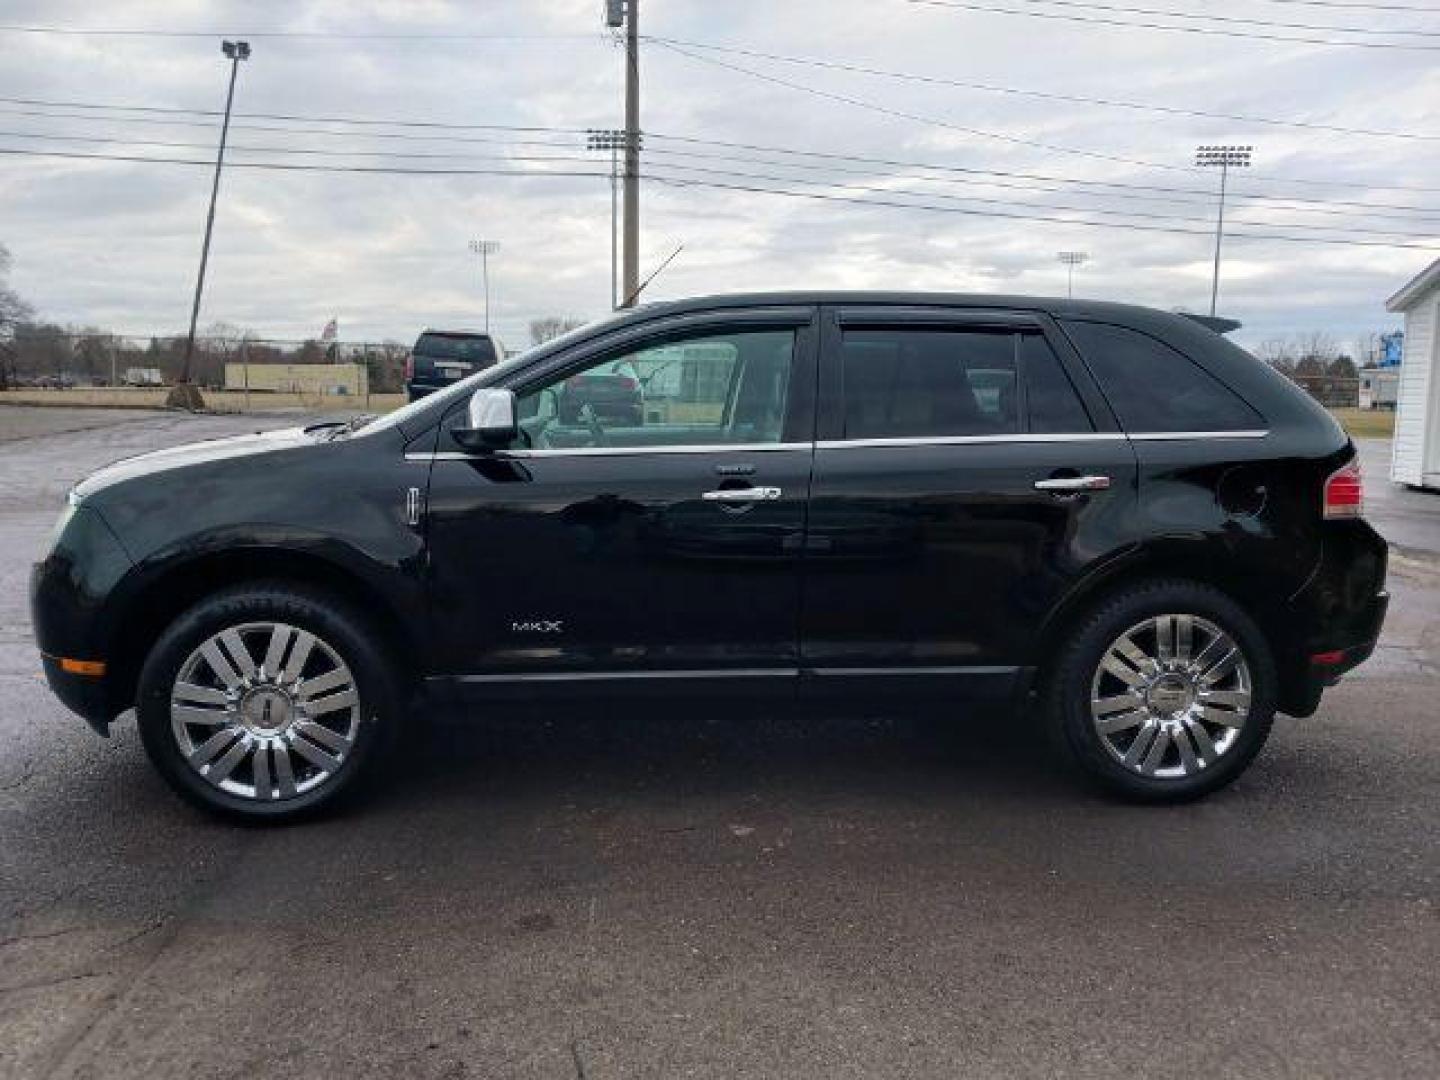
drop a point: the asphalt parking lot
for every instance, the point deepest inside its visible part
(601, 895)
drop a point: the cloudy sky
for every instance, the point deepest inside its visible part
(491, 98)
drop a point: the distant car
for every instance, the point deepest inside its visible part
(442, 357)
(611, 396)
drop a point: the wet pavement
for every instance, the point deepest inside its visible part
(601, 894)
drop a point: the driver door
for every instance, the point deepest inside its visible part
(645, 527)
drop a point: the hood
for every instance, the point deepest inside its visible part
(198, 453)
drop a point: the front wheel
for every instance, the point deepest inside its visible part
(1166, 692)
(266, 702)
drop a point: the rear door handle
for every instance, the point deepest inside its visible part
(1073, 483)
(742, 495)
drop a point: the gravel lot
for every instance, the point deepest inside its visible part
(610, 896)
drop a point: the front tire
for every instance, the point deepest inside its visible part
(267, 702)
(1165, 692)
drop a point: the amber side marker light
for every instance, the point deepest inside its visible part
(93, 668)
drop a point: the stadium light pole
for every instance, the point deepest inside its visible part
(1224, 158)
(188, 397)
(485, 248)
(1071, 259)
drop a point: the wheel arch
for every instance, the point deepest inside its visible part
(1262, 596)
(153, 604)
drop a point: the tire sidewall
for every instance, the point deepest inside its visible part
(328, 619)
(1071, 688)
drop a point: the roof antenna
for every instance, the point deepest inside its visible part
(629, 300)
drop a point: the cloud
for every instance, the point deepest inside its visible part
(116, 244)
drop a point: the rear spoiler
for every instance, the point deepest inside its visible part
(1212, 322)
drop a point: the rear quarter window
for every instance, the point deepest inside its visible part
(1155, 388)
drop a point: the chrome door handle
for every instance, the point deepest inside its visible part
(742, 495)
(1073, 483)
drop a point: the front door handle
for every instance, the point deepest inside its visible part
(742, 495)
(1073, 483)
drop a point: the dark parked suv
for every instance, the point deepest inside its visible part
(1105, 514)
(441, 358)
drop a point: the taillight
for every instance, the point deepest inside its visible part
(627, 383)
(409, 366)
(1344, 493)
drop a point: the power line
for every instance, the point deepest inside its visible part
(1132, 24)
(871, 106)
(1170, 13)
(576, 131)
(1357, 6)
(314, 35)
(952, 174)
(755, 188)
(726, 172)
(936, 80)
(1032, 217)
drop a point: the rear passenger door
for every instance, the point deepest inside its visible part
(967, 473)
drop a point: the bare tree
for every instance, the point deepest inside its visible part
(552, 326)
(13, 311)
(1279, 353)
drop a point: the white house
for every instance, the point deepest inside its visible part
(1415, 458)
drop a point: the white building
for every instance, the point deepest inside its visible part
(1415, 458)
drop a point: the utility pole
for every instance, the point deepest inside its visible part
(613, 140)
(184, 395)
(1071, 259)
(1222, 157)
(628, 13)
(485, 248)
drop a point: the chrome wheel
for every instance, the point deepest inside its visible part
(265, 711)
(1170, 696)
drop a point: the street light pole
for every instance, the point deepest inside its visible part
(1071, 259)
(236, 51)
(485, 248)
(1222, 157)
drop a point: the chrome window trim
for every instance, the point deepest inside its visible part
(1165, 436)
(968, 440)
(613, 451)
(847, 444)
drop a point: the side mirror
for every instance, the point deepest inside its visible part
(490, 421)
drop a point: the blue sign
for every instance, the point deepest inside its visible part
(1392, 348)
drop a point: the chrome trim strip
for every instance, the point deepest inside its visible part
(869, 672)
(846, 444)
(1168, 436)
(601, 676)
(968, 440)
(613, 451)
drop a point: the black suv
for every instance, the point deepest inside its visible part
(1105, 514)
(442, 358)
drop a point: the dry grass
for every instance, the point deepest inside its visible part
(1366, 423)
(226, 401)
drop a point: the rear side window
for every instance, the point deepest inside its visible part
(1050, 397)
(900, 383)
(1154, 388)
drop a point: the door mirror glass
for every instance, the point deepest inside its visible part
(490, 421)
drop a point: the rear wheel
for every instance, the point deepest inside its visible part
(1164, 693)
(266, 702)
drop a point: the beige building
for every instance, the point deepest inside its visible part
(318, 379)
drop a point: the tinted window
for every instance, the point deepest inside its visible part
(1050, 397)
(472, 350)
(1154, 388)
(901, 382)
(721, 388)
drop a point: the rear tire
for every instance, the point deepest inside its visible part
(268, 702)
(1164, 692)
